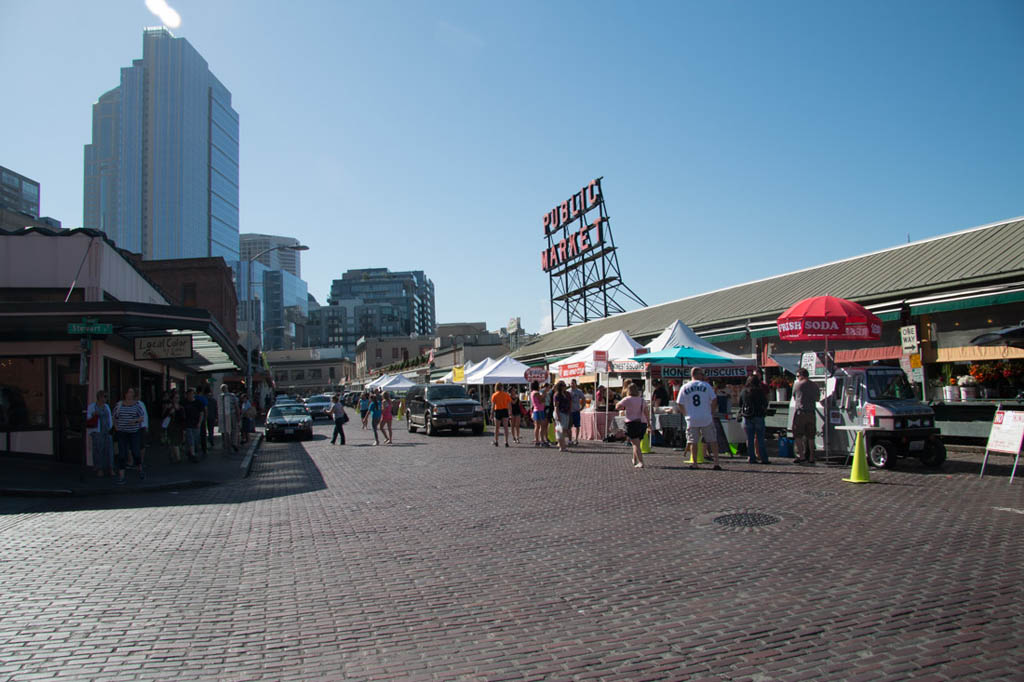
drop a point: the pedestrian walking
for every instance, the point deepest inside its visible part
(194, 416)
(576, 396)
(753, 408)
(173, 416)
(129, 415)
(364, 407)
(697, 399)
(806, 395)
(540, 424)
(337, 412)
(501, 403)
(204, 403)
(212, 414)
(99, 422)
(373, 412)
(515, 414)
(561, 405)
(248, 418)
(636, 421)
(386, 414)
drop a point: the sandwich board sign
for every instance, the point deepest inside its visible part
(1006, 436)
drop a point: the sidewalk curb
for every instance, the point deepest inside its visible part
(250, 457)
(183, 484)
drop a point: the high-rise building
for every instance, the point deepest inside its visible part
(280, 259)
(19, 193)
(375, 302)
(286, 309)
(161, 173)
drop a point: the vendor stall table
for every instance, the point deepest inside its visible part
(594, 424)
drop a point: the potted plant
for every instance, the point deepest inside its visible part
(781, 385)
(951, 392)
(968, 387)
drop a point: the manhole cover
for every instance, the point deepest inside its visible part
(746, 520)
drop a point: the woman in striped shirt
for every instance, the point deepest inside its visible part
(128, 418)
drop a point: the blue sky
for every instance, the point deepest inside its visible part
(737, 140)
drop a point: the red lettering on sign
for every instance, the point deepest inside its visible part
(584, 234)
(593, 193)
(547, 223)
(564, 213)
(561, 251)
(597, 227)
(544, 260)
(574, 245)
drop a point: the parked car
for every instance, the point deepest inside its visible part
(442, 406)
(288, 420)
(317, 405)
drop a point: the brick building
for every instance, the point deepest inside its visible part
(197, 283)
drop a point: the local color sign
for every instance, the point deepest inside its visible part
(163, 347)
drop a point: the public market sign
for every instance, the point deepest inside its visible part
(578, 242)
(163, 347)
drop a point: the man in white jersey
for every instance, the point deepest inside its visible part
(697, 400)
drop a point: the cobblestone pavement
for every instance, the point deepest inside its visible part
(447, 558)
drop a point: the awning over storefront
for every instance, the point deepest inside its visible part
(212, 350)
(977, 353)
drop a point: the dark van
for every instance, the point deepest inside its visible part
(442, 406)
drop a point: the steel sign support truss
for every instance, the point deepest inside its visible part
(589, 287)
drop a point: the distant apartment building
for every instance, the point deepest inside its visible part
(161, 172)
(375, 303)
(273, 257)
(19, 193)
(310, 370)
(374, 353)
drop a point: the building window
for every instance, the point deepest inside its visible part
(22, 393)
(394, 353)
(281, 376)
(380, 354)
(315, 373)
(298, 375)
(188, 294)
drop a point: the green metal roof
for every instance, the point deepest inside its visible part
(986, 255)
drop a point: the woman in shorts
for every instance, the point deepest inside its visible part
(386, 409)
(515, 413)
(561, 403)
(636, 421)
(364, 407)
(540, 424)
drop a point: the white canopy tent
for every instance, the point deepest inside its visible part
(504, 371)
(678, 334)
(396, 383)
(377, 382)
(619, 344)
(473, 369)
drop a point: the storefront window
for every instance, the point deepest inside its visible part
(22, 393)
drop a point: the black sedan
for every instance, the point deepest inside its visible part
(285, 421)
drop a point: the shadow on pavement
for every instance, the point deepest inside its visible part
(276, 472)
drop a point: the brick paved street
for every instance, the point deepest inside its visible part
(446, 558)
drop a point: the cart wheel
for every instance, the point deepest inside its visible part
(934, 454)
(881, 454)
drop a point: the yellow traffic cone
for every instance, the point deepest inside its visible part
(645, 443)
(551, 433)
(700, 455)
(859, 470)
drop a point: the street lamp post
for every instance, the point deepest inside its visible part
(251, 311)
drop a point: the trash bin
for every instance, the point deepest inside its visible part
(785, 447)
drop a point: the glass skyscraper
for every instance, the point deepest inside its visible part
(161, 174)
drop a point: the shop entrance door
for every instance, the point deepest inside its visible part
(71, 401)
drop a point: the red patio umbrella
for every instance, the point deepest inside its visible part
(825, 318)
(828, 317)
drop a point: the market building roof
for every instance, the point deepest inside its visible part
(971, 265)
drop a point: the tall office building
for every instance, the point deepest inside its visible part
(374, 302)
(282, 259)
(19, 193)
(161, 173)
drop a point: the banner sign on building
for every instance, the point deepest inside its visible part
(163, 347)
(725, 372)
(571, 370)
